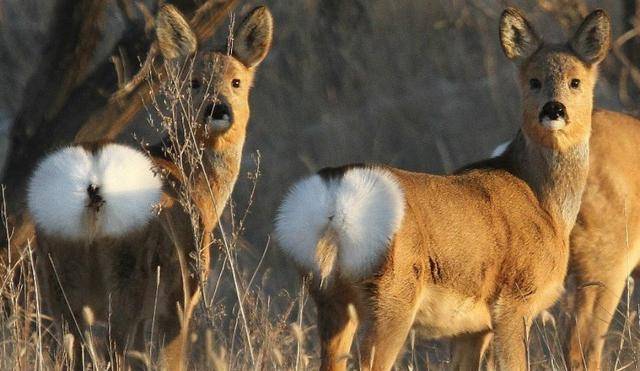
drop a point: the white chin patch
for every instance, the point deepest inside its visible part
(220, 123)
(554, 124)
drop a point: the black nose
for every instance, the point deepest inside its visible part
(553, 110)
(218, 115)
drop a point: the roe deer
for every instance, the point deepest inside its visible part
(473, 255)
(112, 234)
(605, 242)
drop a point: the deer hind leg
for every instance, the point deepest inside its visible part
(389, 321)
(468, 350)
(510, 333)
(595, 306)
(384, 338)
(337, 323)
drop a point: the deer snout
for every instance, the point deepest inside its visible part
(553, 115)
(218, 116)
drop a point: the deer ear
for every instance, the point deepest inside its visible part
(518, 39)
(253, 38)
(591, 41)
(175, 36)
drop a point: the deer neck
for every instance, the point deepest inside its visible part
(216, 181)
(557, 178)
(204, 184)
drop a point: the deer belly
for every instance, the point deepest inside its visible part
(445, 313)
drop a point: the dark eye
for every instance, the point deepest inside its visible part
(575, 83)
(534, 84)
(195, 84)
(235, 83)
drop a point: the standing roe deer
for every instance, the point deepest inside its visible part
(111, 233)
(470, 255)
(605, 242)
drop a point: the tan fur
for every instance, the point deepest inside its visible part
(605, 243)
(175, 36)
(252, 42)
(143, 280)
(480, 254)
(326, 254)
(517, 28)
(560, 65)
(475, 252)
(591, 41)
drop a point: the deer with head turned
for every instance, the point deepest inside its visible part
(112, 236)
(474, 256)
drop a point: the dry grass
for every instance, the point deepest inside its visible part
(421, 91)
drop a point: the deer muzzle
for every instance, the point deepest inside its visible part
(553, 115)
(218, 116)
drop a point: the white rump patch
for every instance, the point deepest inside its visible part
(365, 207)
(499, 150)
(58, 196)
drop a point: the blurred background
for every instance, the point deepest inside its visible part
(418, 84)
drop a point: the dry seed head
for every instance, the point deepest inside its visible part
(88, 316)
(297, 332)
(68, 341)
(277, 355)
(140, 357)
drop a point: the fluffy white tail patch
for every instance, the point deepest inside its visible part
(66, 184)
(364, 207)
